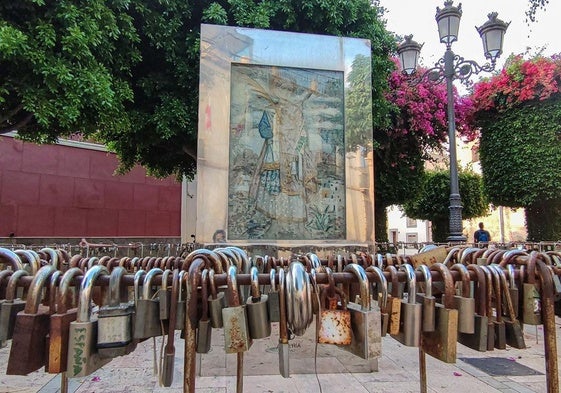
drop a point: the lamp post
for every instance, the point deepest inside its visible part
(449, 68)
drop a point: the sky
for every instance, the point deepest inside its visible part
(416, 17)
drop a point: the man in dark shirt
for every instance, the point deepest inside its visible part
(481, 235)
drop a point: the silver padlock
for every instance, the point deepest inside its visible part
(465, 304)
(256, 308)
(216, 303)
(273, 303)
(236, 328)
(411, 312)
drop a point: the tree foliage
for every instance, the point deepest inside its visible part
(431, 201)
(519, 112)
(126, 71)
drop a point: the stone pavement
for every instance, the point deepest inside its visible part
(397, 372)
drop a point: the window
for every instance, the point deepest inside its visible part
(411, 223)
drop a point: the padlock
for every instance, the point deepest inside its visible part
(216, 303)
(273, 304)
(299, 307)
(514, 335)
(257, 310)
(28, 351)
(52, 293)
(180, 308)
(11, 258)
(478, 340)
(366, 340)
(60, 324)
(147, 316)
(513, 289)
(164, 295)
(427, 300)
(411, 312)
(394, 302)
(500, 329)
(284, 360)
(464, 303)
(489, 307)
(335, 319)
(441, 344)
(204, 328)
(83, 358)
(169, 351)
(4, 278)
(11, 306)
(531, 302)
(382, 296)
(236, 329)
(114, 323)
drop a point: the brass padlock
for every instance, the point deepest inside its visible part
(514, 335)
(256, 308)
(11, 306)
(366, 340)
(216, 303)
(500, 329)
(204, 328)
(114, 324)
(335, 319)
(427, 300)
(478, 340)
(464, 303)
(28, 351)
(441, 344)
(236, 329)
(273, 304)
(60, 324)
(394, 302)
(411, 312)
(382, 296)
(147, 316)
(531, 302)
(83, 358)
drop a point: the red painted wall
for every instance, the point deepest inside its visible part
(65, 191)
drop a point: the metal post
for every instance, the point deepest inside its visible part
(455, 234)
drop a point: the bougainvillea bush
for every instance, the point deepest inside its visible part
(418, 127)
(518, 112)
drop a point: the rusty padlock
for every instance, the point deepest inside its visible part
(236, 329)
(498, 322)
(335, 319)
(394, 302)
(28, 352)
(169, 354)
(514, 335)
(478, 340)
(531, 302)
(204, 328)
(60, 324)
(83, 358)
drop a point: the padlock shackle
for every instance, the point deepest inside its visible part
(411, 283)
(466, 280)
(211, 257)
(228, 257)
(531, 268)
(298, 298)
(12, 258)
(488, 291)
(316, 262)
(233, 297)
(480, 292)
(63, 286)
(283, 332)
(451, 254)
(32, 258)
(115, 286)
(242, 257)
(424, 269)
(360, 274)
(381, 284)
(212, 284)
(509, 256)
(498, 292)
(204, 294)
(380, 261)
(506, 294)
(13, 284)
(340, 263)
(147, 283)
(34, 296)
(52, 255)
(86, 287)
(165, 277)
(255, 291)
(467, 255)
(139, 275)
(394, 280)
(175, 294)
(53, 291)
(448, 283)
(272, 275)
(511, 276)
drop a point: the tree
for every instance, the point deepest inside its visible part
(126, 71)
(519, 112)
(431, 200)
(418, 128)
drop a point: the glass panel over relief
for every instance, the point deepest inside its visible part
(285, 139)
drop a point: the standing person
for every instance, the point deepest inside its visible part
(481, 235)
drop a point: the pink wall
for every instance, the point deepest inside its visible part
(64, 191)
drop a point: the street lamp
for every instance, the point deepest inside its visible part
(448, 68)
